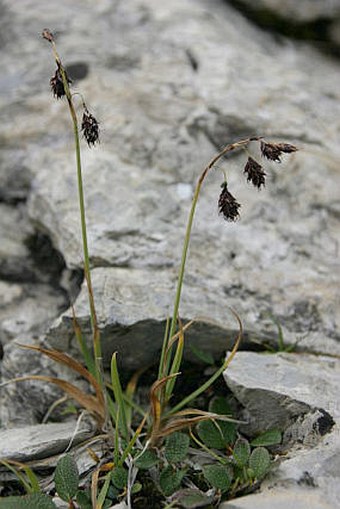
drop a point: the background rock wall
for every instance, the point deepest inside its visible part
(171, 83)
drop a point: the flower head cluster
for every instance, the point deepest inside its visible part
(255, 173)
(228, 206)
(57, 84)
(89, 124)
(90, 128)
(273, 151)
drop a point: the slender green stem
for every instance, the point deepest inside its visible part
(87, 272)
(228, 148)
(202, 388)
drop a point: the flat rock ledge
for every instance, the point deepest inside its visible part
(132, 308)
(298, 394)
(42, 440)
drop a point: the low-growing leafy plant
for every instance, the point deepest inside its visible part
(178, 455)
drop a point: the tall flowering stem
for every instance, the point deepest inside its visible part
(64, 89)
(167, 366)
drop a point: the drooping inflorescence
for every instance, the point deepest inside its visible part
(60, 88)
(57, 85)
(90, 128)
(228, 206)
(255, 173)
(273, 151)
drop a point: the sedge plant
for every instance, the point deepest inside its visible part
(161, 441)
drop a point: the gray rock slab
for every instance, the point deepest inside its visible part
(161, 125)
(27, 309)
(133, 305)
(171, 82)
(15, 229)
(42, 440)
(277, 389)
(280, 499)
(27, 402)
(302, 11)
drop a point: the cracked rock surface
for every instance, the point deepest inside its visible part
(297, 394)
(170, 83)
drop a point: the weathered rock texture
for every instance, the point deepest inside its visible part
(299, 395)
(171, 82)
(316, 21)
(42, 441)
(304, 10)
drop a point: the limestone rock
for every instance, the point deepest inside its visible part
(280, 499)
(276, 389)
(163, 109)
(27, 402)
(304, 10)
(170, 83)
(132, 306)
(14, 254)
(41, 441)
(298, 394)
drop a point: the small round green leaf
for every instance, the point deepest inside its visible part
(136, 488)
(270, 437)
(241, 451)
(219, 405)
(219, 476)
(32, 501)
(176, 447)
(170, 480)
(66, 477)
(83, 500)
(259, 462)
(119, 477)
(210, 435)
(147, 460)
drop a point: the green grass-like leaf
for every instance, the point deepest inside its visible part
(66, 477)
(259, 462)
(176, 447)
(170, 480)
(119, 397)
(31, 501)
(270, 437)
(30, 483)
(219, 476)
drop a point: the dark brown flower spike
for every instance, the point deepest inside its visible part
(287, 148)
(90, 128)
(57, 84)
(227, 205)
(255, 173)
(273, 151)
